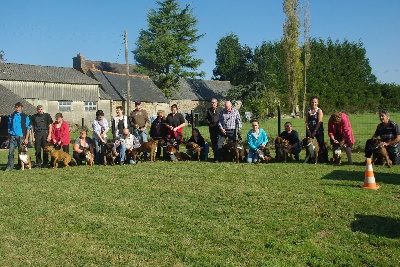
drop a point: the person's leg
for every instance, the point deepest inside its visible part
(122, 152)
(66, 149)
(220, 143)
(144, 136)
(97, 148)
(206, 150)
(251, 156)
(368, 148)
(296, 152)
(14, 144)
(348, 153)
(77, 157)
(38, 149)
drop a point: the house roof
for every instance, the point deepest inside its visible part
(8, 100)
(36, 73)
(109, 67)
(142, 87)
(195, 89)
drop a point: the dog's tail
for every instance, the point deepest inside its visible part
(76, 163)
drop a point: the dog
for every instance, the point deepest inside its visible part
(133, 154)
(23, 157)
(311, 145)
(195, 149)
(234, 151)
(149, 147)
(109, 153)
(264, 154)
(380, 153)
(89, 159)
(337, 152)
(282, 150)
(180, 156)
(58, 155)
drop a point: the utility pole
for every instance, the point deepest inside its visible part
(128, 81)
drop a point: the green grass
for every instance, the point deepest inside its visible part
(200, 214)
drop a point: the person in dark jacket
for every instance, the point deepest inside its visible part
(212, 122)
(41, 128)
(158, 130)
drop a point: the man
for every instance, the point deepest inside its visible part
(212, 121)
(139, 120)
(126, 141)
(19, 126)
(293, 137)
(228, 121)
(175, 122)
(41, 129)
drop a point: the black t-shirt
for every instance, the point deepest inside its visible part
(292, 137)
(41, 122)
(175, 120)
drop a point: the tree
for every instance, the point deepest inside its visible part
(2, 56)
(165, 50)
(307, 53)
(292, 51)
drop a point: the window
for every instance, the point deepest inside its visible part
(90, 105)
(64, 105)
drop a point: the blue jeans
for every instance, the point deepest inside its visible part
(252, 157)
(15, 143)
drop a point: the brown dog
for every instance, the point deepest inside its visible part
(264, 155)
(132, 153)
(380, 153)
(58, 155)
(234, 151)
(311, 145)
(337, 152)
(149, 147)
(195, 149)
(180, 156)
(282, 150)
(109, 154)
(89, 159)
(23, 158)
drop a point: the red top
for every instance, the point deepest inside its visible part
(343, 128)
(61, 133)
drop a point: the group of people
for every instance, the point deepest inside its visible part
(129, 132)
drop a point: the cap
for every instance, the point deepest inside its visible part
(137, 102)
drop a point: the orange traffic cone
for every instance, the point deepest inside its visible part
(369, 180)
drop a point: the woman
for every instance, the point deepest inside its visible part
(158, 130)
(175, 122)
(339, 129)
(389, 131)
(100, 129)
(255, 138)
(81, 143)
(60, 136)
(120, 121)
(315, 127)
(199, 140)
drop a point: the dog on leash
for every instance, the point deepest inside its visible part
(150, 148)
(23, 157)
(58, 155)
(282, 149)
(195, 149)
(89, 159)
(264, 155)
(180, 156)
(311, 145)
(234, 151)
(132, 154)
(380, 153)
(337, 152)
(109, 153)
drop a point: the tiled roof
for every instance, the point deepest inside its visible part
(8, 100)
(35, 73)
(195, 89)
(109, 67)
(142, 87)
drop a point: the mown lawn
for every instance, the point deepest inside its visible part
(200, 214)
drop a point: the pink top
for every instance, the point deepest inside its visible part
(61, 133)
(343, 128)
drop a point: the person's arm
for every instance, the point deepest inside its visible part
(76, 147)
(180, 126)
(28, 129)
(307, 128)
(320, 116)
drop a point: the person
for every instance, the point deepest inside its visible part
(41, 123)
(293, 137)
(174, 123)
(389, 131)
(126, 141)
(81, 143)
(256, 137)
(228, 121)
(19, 126)
(315, 127)
(158, 130)
(212, 122)
(139, 120)
(120, 121)
(100, 128)
(339, 129)
(60, 136)
(199, 140)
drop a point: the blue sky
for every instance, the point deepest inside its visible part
(52, 32)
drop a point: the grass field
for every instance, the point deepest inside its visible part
(202, 214)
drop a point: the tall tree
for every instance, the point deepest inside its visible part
(165, 50)
(307, 51)
(290, 41)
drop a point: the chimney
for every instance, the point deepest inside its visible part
(79, 63)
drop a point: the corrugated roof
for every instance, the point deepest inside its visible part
(24, 72)
(142, 87)
(197, 90)
(8, 100)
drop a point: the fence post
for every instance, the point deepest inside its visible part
(279, 120)
(83, 123)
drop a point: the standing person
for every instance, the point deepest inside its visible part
(139, 120)
(81, 143)
(175, 122)
(389, 131)
(293, 137)
(256, 137)
(228, 121)
(41, 128)
(60, 135)
(339, 128)
(120, 121)
(315, 127)
(100, 129)
(19, 126)
(158, 130)
(212, 121)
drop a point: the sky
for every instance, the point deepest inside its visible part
(52, 32)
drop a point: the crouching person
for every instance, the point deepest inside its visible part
(126, 142)
(81, 144)
(196, 147)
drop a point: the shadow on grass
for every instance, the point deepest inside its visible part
(376, 225)
(343, 175)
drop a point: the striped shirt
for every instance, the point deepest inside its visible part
(230, 121)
